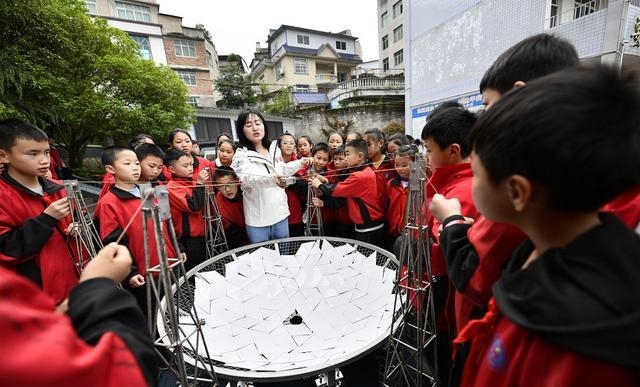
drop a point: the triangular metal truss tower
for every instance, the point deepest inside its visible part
(180, 333)
(411, 354)
(313, 214)
(215, 237)
(87, 238)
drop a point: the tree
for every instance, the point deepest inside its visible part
(81, 79)
(235, 85)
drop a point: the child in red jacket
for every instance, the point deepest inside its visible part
(397, 189)
(187, 201)
(229, 200)
(34, 213)
(361, 191)
(114, 211)
(565, 310)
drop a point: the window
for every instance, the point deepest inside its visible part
(302, 88)
(397, 34)
(193, 101)
(209, 59)
(188, 77)
(133, 12)
(385, 42)
(384, 19)
(185, 48)
(385, 64)
(279, 72)
(144, 47)
(398, 58)
(587, 7)
(303, 39)
(555, 13)
(341, 45)
(91, 6)
(300, 66)
(397, 9)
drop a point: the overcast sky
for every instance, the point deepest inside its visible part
(236, 25)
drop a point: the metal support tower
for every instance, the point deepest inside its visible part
(313, 214)
(215, 237)
(411, 354)
(181, 335)
(87, 238)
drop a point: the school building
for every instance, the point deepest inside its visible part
(449, 45)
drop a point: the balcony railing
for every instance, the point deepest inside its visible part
(324, 79)
(367, 86)
(578, 11)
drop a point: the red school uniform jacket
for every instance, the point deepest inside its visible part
(198, 164)
(475, 255)
(102, 339)
(397, 193)
(232, 211)
(186, 200)
(113, 213)
(451, 181)
(361, 191)
(384, 173)
(569, 319)
(33, 243)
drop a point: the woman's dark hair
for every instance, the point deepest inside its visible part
(242, 139)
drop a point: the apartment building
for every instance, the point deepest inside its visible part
(162, 38)
(139, 19)
(192, 55)
(308, 60)
(391, 34)
(451, 44)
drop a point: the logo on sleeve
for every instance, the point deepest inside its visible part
(496, 357)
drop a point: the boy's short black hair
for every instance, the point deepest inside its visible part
(223, 171)
(575, 133)
(359, 146)
(444, 105)
(340, 150)
(13, 129)
(110, 154)
(320, 147)
(450, 126)
(531, 58)
(144, 150)
(173, 155)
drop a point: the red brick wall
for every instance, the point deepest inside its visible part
(204, 84)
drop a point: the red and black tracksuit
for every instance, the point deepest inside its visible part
(187, 200)
(232, 212)
(385, 172)
(32, 243)
(363, 203)
(570, 318)
(397, 194)
(112, 214)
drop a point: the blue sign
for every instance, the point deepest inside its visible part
(471, 101)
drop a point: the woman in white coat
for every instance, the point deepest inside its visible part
(262, 175)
